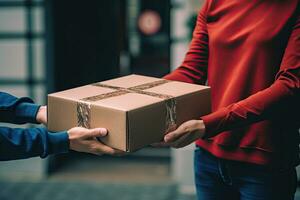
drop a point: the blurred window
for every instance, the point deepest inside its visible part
(22, 62)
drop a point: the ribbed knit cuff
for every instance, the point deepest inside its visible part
(213, 123)
(58, 142)
(27, 112)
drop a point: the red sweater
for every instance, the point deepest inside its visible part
(249, 52)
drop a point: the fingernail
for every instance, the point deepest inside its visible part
(103, 131)
(166, 138)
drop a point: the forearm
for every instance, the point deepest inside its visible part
(17, 110)
(281, 96)
(18, 143)
(264, 105)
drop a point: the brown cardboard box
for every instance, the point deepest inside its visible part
(137, 110)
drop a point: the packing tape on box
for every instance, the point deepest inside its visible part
(83, 114)
(84, 105)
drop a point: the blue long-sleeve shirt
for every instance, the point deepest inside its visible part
(19, 143)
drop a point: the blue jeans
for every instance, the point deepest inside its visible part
(219, 179)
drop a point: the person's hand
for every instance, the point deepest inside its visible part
(41, 116)
(87, 140)
(185, 134)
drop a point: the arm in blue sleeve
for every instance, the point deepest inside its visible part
(17, 143)
(17, 110)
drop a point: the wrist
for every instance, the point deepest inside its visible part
(59, 142)
(200, 126)
(40, 114)
(26, 113)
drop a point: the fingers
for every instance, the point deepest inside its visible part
(100, 149)
(160, 144)
(173, 136)
(87, 140)
(171, 128)
(97, 132)
(185, 134)
(184, 140)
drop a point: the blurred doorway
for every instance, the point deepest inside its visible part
(149, 36)
(84, 41)
(91, 41)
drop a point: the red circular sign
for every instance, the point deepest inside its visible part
(149, 22)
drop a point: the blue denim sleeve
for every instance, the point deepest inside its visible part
(17, 110)
(17, 143)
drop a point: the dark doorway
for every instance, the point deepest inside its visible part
(91, 41)
(85, 41)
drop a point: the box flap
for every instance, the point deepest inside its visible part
(127, 102)
(130, 81)
(175, 88)
(81, 92)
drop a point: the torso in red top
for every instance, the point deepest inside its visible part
(249, 51)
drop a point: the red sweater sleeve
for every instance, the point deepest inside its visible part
(194, 66)
(266, 103)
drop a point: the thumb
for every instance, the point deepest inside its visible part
(97, 132)
(172, 136)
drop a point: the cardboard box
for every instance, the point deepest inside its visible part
(137, 110)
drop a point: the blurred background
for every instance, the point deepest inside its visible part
(52, 45)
